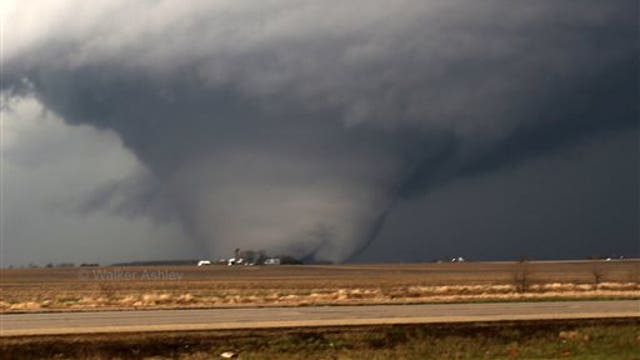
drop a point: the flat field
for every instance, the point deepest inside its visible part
(96, 288)
(584, 339)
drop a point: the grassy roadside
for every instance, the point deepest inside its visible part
(593, 339)
(483, 300)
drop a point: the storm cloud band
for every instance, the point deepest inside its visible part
(298, 126)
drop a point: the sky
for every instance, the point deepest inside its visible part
(348, 131)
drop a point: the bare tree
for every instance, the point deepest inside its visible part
(597, 271)
(522, 275)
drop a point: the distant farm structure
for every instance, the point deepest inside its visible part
(252, 258)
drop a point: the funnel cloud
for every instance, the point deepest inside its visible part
(346, 131)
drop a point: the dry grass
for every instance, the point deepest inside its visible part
(584, 339)
(220, 286)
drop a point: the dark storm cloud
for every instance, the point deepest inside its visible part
(301, 126)
(582, 201)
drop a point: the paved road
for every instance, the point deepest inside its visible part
(218, 319)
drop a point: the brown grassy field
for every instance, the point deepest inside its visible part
(64, 289)
(584, 339)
